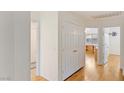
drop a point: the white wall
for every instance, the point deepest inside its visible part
(49, 45)
(114, 47)
(6, 46)
(15, 45)
(22, 29)
(114, 41)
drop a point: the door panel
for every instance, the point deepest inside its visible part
(72, 48)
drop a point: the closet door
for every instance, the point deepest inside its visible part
(72, 47)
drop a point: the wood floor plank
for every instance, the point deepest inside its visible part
(93, 72)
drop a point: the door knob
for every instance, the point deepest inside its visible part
(74, 50)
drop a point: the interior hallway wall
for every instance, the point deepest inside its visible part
(49, 45)
(6, 46)
(22, 24)
(15, 45)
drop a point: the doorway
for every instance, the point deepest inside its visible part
(35, 51)
(91, 52)
(111, 42)
(112, 50)
(91, 43)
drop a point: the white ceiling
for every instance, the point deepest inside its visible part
(91, 13)
(86, 14)
(98, 14)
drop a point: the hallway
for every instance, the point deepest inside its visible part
(94, 72)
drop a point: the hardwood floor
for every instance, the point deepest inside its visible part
(94, 72)
(36, 78)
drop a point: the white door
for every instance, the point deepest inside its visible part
(72, 47)
(106, 46)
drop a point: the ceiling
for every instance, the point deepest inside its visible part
(86, 14)
(98, 14)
